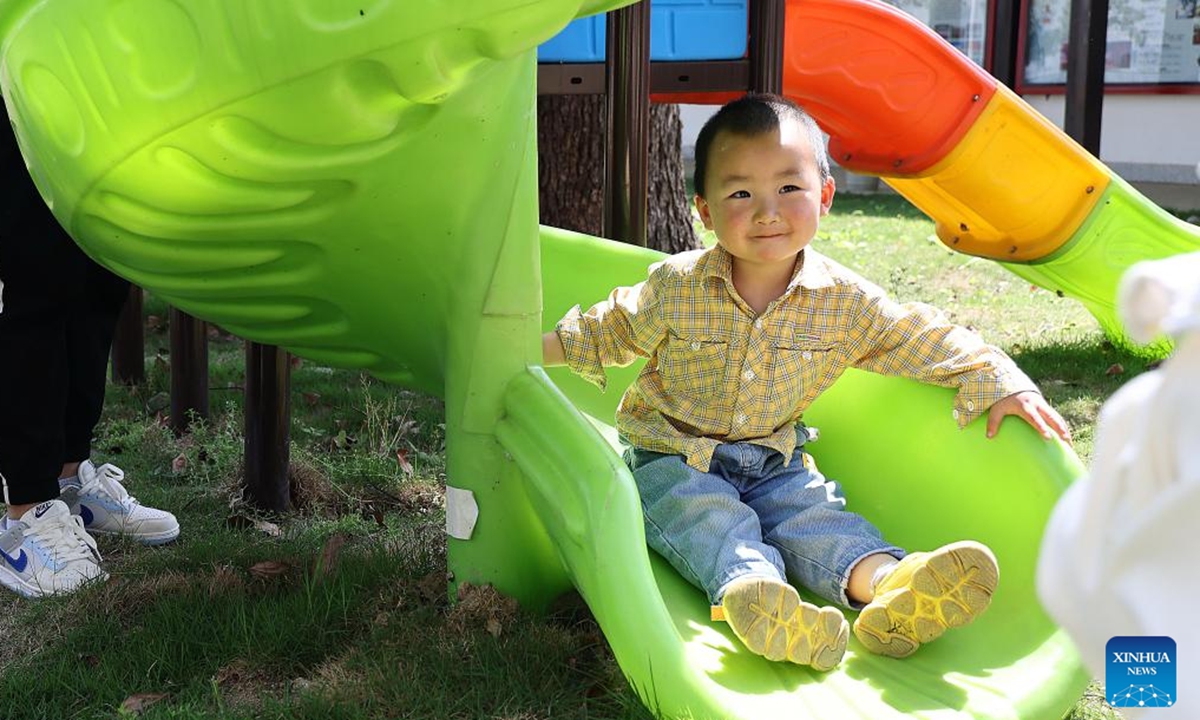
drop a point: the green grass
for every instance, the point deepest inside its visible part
(341, 612)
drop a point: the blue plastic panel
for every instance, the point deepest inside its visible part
(679, 30)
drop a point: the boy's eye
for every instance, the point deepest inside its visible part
(788, 189)
(739, 194)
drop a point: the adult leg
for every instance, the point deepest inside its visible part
(97, 493)
(33, 397)
(40, 279)
(45, 549)
(89, 334)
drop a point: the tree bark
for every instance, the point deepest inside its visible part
(571, 170)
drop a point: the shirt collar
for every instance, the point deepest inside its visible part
(813, 273)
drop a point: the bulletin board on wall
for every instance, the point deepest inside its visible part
(965, 24)
(1153, 46)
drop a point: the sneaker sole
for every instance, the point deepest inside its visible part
(17, 585)
(33, 592)
(952, 589)
(159, 538)
(771, 620)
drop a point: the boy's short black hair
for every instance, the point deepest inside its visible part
(752, 115)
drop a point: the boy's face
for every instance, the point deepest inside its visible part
(764, 197)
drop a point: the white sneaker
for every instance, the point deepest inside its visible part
(107, 508)
(47, 552)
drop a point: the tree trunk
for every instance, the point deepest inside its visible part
(571, 170)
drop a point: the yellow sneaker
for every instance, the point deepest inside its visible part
(925, 595)
(771, 620)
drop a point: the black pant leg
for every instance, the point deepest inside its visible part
(42, 279)
(33, 399)
(89, 336)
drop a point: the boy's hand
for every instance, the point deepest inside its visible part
(1033, 409)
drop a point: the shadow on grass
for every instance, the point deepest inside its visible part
(1093, 366)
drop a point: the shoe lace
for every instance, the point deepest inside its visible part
(65, 538)
(109, 478)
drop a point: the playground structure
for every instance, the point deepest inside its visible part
(360, 188)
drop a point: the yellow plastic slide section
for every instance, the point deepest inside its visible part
(1016, 188)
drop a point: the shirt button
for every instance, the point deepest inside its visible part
(971, 405)
(807, 355)
(748, 375)
(741, 419)
(695, 346)
(758, 324)
(955, 413)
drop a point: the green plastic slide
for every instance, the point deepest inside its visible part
(357, 183)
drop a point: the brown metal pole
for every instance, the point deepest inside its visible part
(129, 341)
(1003, 61)
(1086, 46)
(766, 46)
(189, 369)
(627, 84)
(268, 417)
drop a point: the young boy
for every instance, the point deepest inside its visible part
(741, 338)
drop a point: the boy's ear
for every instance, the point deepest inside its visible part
(705, 213)
(827, 191)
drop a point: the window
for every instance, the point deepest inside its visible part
(1150, 43)
(962, 23)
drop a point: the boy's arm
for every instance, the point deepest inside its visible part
(552, 350)
(613, 332)
(916, 340)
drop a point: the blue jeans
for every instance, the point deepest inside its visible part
(750, 515)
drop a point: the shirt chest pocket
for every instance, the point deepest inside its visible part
(693, 367)
(799, 367)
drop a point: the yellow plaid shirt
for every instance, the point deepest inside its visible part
(717, 372)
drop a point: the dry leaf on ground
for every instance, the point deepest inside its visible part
(243, 522)
(327, 562)
(482, 605)
(268, 569)
(137, 704)
(402, 459)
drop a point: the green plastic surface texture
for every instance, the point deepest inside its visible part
(357, 183)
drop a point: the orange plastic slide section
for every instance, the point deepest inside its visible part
(894, 97)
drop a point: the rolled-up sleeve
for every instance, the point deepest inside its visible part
(917, 341)
(614, 332)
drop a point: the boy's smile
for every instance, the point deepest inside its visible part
(765, 197)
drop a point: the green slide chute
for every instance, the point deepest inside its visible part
(357, 183)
